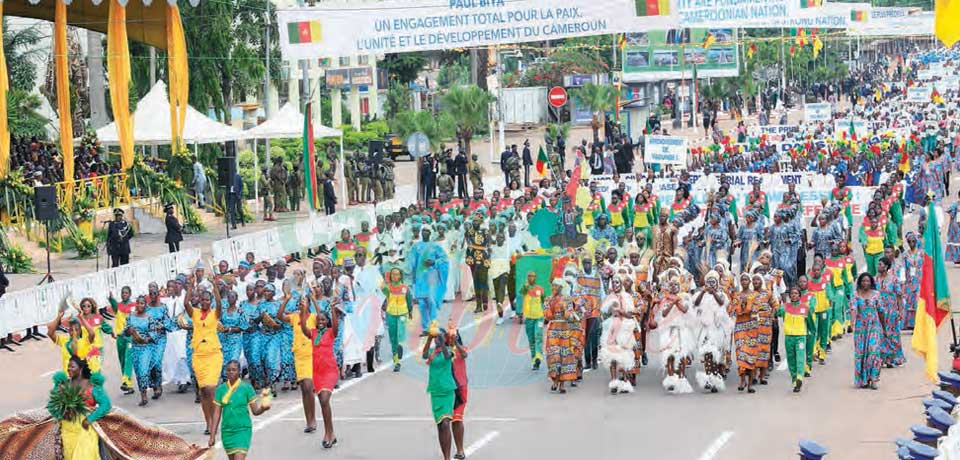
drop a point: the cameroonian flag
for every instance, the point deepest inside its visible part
(751, 50)
(709, 40)
(852, 131)
(621, 41)
(935, 97)
(811, 3)
(817, 46)
(304, 32)
(904, 164)
(653, 7)
(933, 304)
(858, 16)
(542, 161)
(310, 161)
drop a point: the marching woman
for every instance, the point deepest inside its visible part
(765, 306)
(712, 326)
(207, 355)
(91, 321)
(141, 327)
(562, 323)
(676, 341)
(269, 342)
(233, 322)
(251, 333)
(231, 414)
(326, 372)
(78, 438)
(865, 308)
(302, 351)
(396, 308)
(745, 334)
(912, 265)
(73, 344)
(121, 311)
(952, 252)
(460, 376)
(797, 315)
(891, 314)
(441, 385)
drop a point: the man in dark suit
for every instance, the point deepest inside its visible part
(527, 163)
(329, 195)
(460, 171)
(174, 229)
(119, 233)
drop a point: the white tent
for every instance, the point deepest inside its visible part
(151, 124)
(288, 123)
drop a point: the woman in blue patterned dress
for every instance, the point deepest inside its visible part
(718, 238)
(161, 324)
(231, 334)
(287, 369)
(891, 313)
(141, 328)
(865, 308)
(251, 332)
(270, 341)
(749, 236)
(952, 253)
(912, 266)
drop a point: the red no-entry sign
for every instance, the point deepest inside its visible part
(557, 96)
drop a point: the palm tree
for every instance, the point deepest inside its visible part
(436, 127)
(599, 99)
(468, 106)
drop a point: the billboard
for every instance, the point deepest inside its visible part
(671, 54)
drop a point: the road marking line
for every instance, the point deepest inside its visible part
(365, 419)
(350, 383)
(714, 448)
(473, 448)
(782, 366)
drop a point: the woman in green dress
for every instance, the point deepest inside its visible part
(441, 385)
(231, 401)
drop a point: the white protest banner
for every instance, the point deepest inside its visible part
(743, 14)
(776, 133)
(822, 111)
(786, 146)
(843, 127)
(392, 26)
(918, 94)
(667, 150)
(606, 184)
(899, 26)
(949, 83)
(829, 16)
(925, 74)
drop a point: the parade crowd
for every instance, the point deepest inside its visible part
(699, 288)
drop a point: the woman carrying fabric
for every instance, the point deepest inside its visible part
(441, 385)
(745, 333)
(865, 308)
(122, 310)
(562, 322)
(325, 372)
(618, 341)
(891, 313)
(231, 415)
(765, 305)
(78, 437)
(233, 322)
(207, 355)
(141, 329)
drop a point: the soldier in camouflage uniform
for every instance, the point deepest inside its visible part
(294, 188)
(445, 181)
(278, 181)
(349, 175)
(267, 199)
(389, 187)
(476, 173)
(363, 176)
(376, 179)
(513, 169)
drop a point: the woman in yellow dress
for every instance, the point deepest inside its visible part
(207, 357)
(303, 352)
(78, 400)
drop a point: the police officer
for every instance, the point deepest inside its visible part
(119, 233)
(527, 163)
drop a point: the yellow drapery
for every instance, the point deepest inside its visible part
(118, 68)
(62, 68)
(4, 129)
(177, 74)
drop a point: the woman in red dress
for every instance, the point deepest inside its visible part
(325, 369)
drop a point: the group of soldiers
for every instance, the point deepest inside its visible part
(369, 176)
(282, 189)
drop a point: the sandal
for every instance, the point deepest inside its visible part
(310, 429)
(143, 403)
(562, 391)
(460, 456)
(751, 390)
(327, 445)
(553, 387)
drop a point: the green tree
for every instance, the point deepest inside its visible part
(23, 116)
(398, 100)
(226, 43)
(21, 50)
(437, 128)
(599, 99)
(468, 105)
(403, 67)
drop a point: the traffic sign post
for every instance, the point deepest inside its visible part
(557, 97)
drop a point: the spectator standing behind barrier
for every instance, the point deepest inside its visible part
(119, 233)
(235, 201)
(174, 230)
(199, 182)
